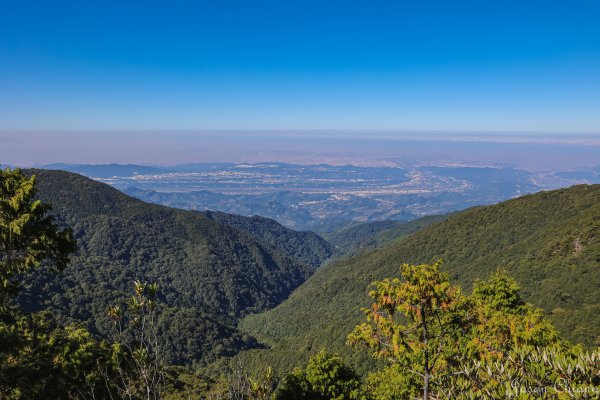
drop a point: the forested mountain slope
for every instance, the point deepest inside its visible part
(305, 246)
(210, 273)
(549, 241)
(367, 235)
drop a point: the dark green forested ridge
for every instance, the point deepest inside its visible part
(305, 246)
(548, 241)
(210, 273)
(367, 235)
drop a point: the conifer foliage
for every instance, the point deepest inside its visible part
(38, 357)
(29, 237)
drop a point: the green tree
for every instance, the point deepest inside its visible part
(39, 358)
(415, 323)
(263, 388)
(326, 377)
(503, 321)
(139, 364)
(29, 237)
(514, 352)
(487, 345)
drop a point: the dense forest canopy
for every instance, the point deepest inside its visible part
(212, 268)
(547, 241)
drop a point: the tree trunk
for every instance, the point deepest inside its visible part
(426, 361)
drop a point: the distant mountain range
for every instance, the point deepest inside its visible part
(323, 197)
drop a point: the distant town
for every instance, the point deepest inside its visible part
(321, 196)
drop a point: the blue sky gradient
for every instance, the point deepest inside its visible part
(531, 66)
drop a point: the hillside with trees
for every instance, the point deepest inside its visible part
(547, 241)
(362, 236)
(432, 341)
(212, 269)
(305, 246)
(428, 338)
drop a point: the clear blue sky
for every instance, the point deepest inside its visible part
(220, 64)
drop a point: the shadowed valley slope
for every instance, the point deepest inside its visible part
(211, 271)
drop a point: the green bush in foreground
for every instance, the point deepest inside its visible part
(325, 377)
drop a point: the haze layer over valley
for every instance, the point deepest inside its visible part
(326, 196)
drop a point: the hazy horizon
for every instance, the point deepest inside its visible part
(481, 83)
(529, 151)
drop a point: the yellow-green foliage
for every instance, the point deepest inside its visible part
(439, 344)
(416, 323)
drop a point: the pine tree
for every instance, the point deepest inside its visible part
(29, 237)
